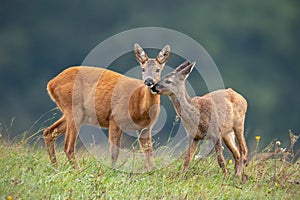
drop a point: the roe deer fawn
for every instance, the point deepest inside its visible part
(214, 116)
(97, 96)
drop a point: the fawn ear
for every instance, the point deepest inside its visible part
(186, 69)
(182, 66)
(164, 54)
(139, 53)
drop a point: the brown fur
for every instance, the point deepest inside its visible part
(90, 95)
(216, 116)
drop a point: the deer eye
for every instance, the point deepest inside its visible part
(158, 70)
(143, 69)
(168, 81)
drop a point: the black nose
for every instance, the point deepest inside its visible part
(149, 82)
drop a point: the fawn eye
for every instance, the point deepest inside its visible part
(158, 70)
(168, 81)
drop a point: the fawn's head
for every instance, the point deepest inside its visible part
(151, 67)
(173, 82)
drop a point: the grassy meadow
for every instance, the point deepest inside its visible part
(26, 173)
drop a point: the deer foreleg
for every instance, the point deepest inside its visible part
(115, 134)
(193, 144)
(145, 140)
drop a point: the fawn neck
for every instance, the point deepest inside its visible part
(182, 103)
(189, 114)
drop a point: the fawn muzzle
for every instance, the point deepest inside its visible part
(154, 89)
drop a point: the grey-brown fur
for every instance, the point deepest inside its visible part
(216, 116)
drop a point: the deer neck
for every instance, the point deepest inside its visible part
(189, 114)
(182, 103)
(148, 98)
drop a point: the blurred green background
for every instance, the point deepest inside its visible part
(255, 45)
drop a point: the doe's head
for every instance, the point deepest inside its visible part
(151, 67)
(173, 83)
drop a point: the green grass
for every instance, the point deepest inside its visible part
(26, 173)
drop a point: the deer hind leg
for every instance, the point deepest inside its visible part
(115, 135)
(145, 141)
(220, 157)
(193, 144)
(70, 141)
(230, 143)
(51, 134)
(239, 133)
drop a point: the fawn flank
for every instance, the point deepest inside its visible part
(216, 116)
(97, 96)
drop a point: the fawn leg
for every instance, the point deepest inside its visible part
(239, 133)
(51, 134)
(145, 141)
(193, 144)
(220, 157)
(115, 134)
(230, 143)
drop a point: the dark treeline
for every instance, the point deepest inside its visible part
(255, 45)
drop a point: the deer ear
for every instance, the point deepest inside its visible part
(182, 66)
(139, 53)
(164, 54)
(185, 72)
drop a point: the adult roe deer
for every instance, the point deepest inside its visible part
(97, 96)
(214, 116)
